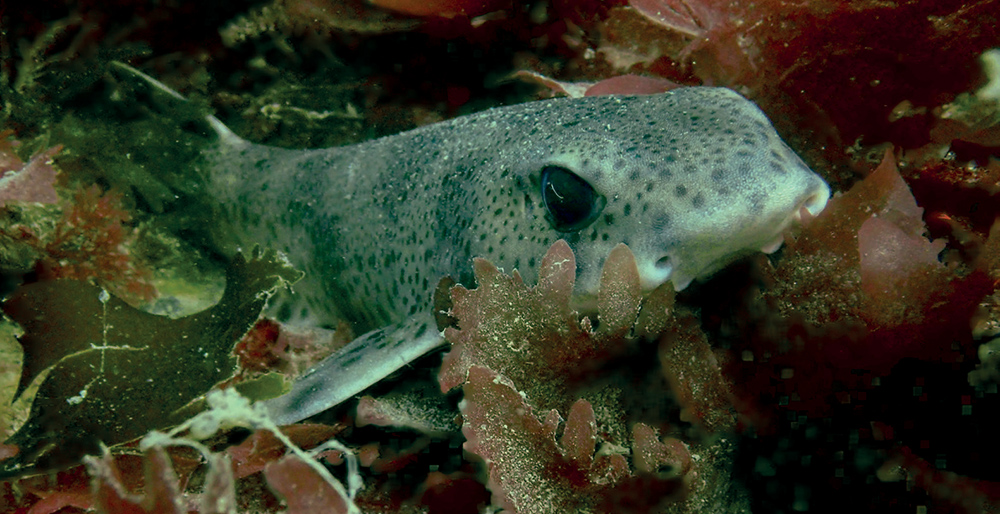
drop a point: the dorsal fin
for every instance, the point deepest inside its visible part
(226, 136)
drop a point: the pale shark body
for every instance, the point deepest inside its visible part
(689, 179)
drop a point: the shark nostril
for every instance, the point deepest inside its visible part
(816, 202)
(653, 273)
(811, 206)
(664, 264)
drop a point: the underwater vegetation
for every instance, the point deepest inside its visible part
(857, 368)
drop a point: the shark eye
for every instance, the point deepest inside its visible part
(570, 200)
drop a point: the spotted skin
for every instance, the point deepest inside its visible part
(690, 180)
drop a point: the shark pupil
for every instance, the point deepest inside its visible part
(570, 200)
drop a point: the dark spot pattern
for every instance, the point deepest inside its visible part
(374, 224)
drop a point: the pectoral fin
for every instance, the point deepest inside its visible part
(362, 363)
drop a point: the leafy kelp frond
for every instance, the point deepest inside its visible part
(118, 372)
